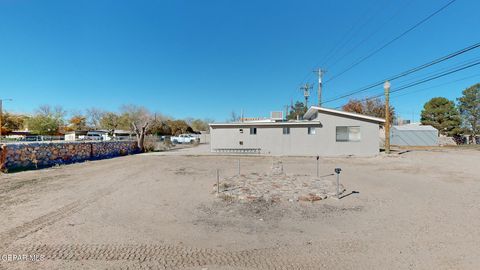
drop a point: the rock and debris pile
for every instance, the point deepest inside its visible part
(277, 186)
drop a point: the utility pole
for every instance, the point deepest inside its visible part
(286, 112)
(320, 73)
(386, 87)
(306, 93)
(1, 115)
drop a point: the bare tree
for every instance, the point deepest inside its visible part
(94, 116)
(140, 135)
(49, 111)
(134, 113)
(139, 117)
(233, 117)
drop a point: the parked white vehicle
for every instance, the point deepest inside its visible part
(184, 138)
(97, 135)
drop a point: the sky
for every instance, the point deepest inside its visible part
(205, 59)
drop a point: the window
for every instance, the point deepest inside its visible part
(241, 142)
(253, 131)
(286, 130)
(311, 131)
(348, 134)
(241, 130)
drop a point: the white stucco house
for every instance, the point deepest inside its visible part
(322, 132)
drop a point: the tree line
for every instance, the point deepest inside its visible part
(455, 119)
(53, 120)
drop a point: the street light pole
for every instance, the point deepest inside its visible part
(386, 86)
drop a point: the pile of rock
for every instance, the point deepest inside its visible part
(277, 186)
(21, 156)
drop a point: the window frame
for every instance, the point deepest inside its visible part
(348, 134)
(286, 130)
(311, 131)
(253, 131)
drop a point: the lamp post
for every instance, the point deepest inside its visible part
(386, 86)
(1, 114)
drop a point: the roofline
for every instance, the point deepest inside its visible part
(314, 109)
(258, 124)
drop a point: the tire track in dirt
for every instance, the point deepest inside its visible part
(173, 257)
(37, 224)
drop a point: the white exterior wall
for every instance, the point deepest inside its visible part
(270, 139)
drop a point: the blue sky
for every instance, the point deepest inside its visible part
(206, 58)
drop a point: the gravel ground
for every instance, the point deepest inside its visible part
(417, 210)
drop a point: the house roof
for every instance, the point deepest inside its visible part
(19, 132)
(258, 124)
(314, 109)
(414, 127)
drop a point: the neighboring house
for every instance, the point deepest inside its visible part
(323, 132)
(75, 135)
(104, 135)
(414, 135)
(18, 134)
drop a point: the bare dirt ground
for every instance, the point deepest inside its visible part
(418, 210)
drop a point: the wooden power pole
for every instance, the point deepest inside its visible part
(306, 93)
(320, 73)
(386, 86)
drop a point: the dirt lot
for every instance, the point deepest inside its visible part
(418, 210)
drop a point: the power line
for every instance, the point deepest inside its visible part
(407, 72)
(438, 85)
(430, 78)
(435, 77)
(391, 41)
(346, 39)
(366, 38)
(459, 64)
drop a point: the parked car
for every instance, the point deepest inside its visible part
(184, 138)
(97, 136)
(32, 138)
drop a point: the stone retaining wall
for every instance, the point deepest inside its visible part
(23, 156)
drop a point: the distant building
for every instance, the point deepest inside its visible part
(18, 134)
(105, 135)
(401, 122)
(323, 132)
(414, 135)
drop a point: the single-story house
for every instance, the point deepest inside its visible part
(18, 134)
(323, 132)
(414, 135)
